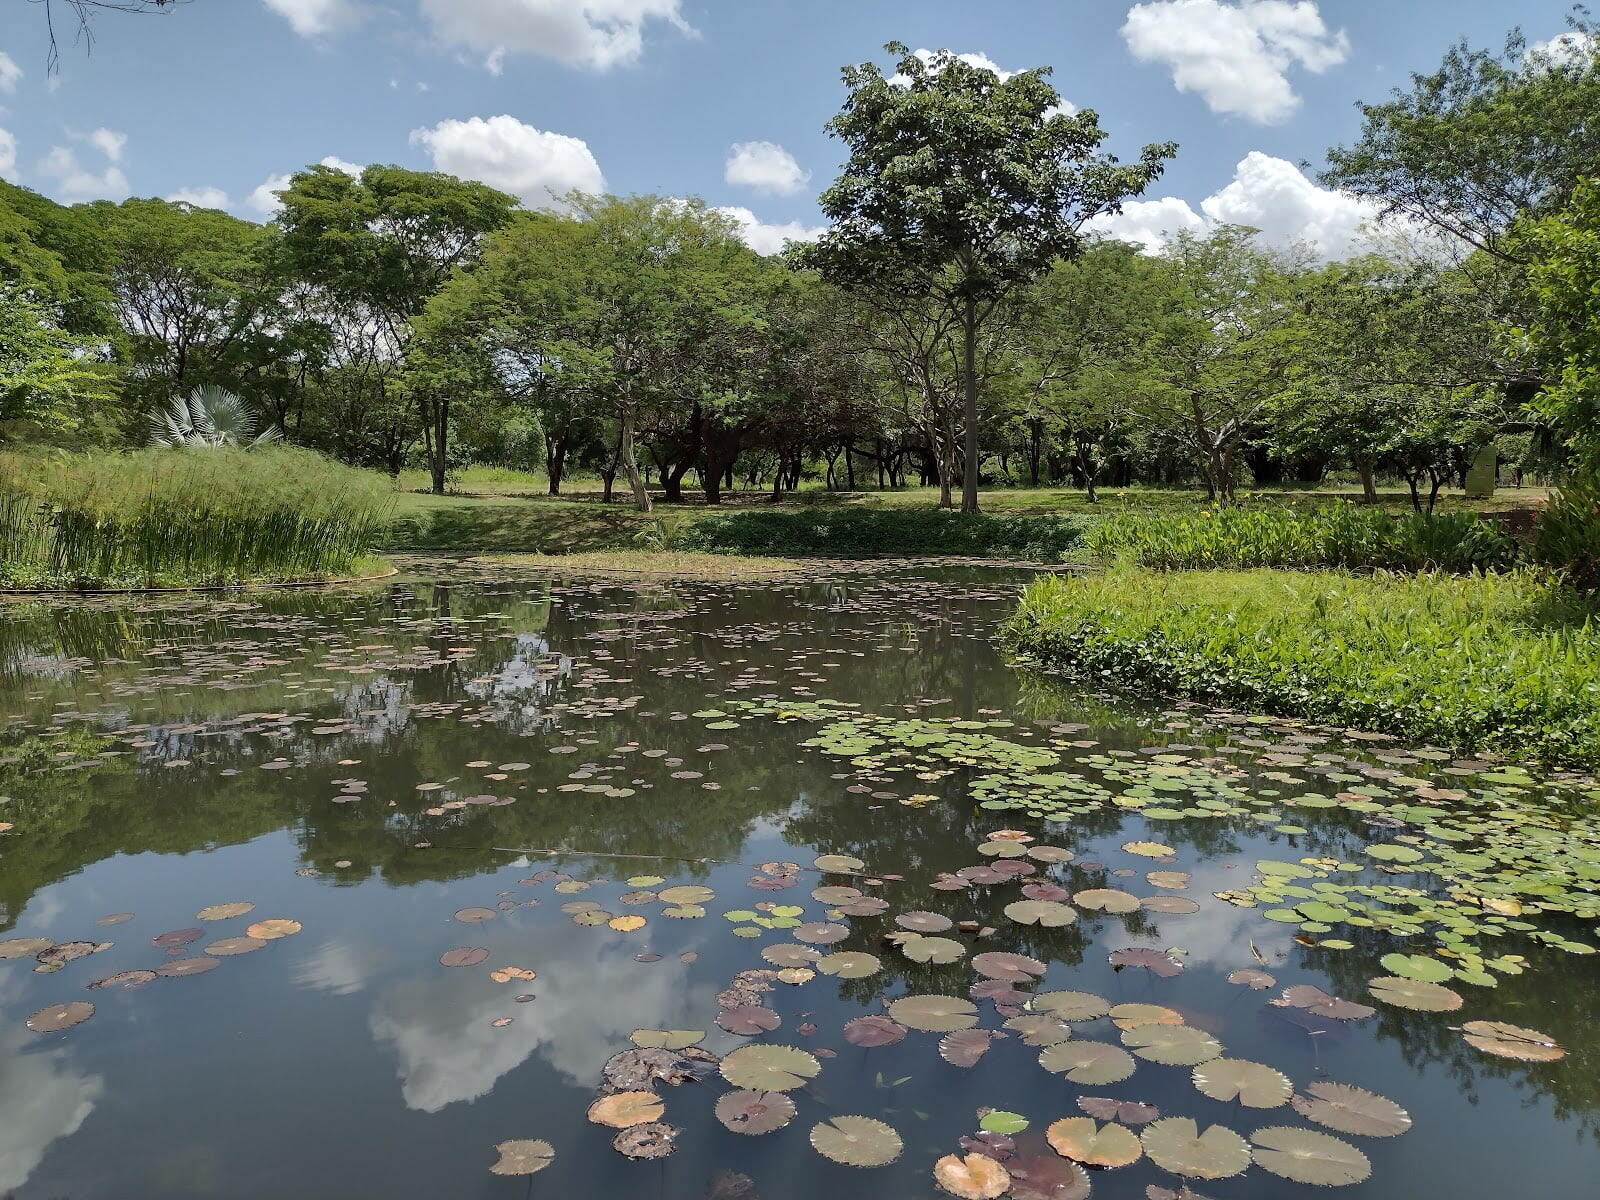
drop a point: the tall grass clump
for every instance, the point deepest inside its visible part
(1304, 538)
(851, 532)
(1507, 663)
(183, 517)
(1567, 536)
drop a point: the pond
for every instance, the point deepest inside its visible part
(364, 884)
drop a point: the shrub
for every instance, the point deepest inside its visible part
(181, 517)
(1339, 535)
(849, 532)
(1567, 536)
(1508, 663)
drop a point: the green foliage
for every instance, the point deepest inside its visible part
(182, 517)
(1567, 536)
(1507, 663)
(865, 531)
(48, 376)
(1337, 535)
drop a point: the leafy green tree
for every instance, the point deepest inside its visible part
(377, 249)
(1483, 140)
(962, 186)
(60, 256)
(48, 376)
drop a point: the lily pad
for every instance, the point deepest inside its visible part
(1351, 1110)
(934, 1014)
(964, 1047)
(1414, 994)
(1512, 1041)
(873, 1030)
(1047, 1177)
(1129, 1112)
(56, 1017)
(463, 956)
(754, 1113)
(1070, 1006)
(1014, 968)
(651, 1141)
(1417, 966)
(933, 950)
(769, 1068)
(1093, 1063)
(839, 864)
(1083, 1140)
(1157, 962)
(1048, 913)
(1252, 1084)
(1306, 1156)
(973, 1177)
(667, 1039)
(1108, 900)
(624, 1109)
(273, 929)
(222, 912)
(523, 1157)
(1172, 1045)
(747, 1020)
(1178, 1145)
(856, 1141)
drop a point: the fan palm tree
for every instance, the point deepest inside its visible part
(209, 417)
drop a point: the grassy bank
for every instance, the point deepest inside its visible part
(1507, 663)
(647, 564)
(1304, 537)
(865, 532)
(184, 518)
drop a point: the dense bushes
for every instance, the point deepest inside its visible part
(182, 517)
(1567, 536)
(1339, 535)
(1508, 663)
(867, 531)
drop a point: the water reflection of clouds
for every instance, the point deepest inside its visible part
(339, 967)
(588, 1003)
(43, 1098)
(1218, 935)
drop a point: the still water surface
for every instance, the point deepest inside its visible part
(369, 763)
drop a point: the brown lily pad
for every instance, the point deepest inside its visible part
(1083, 1140)
(754, 1113)
(56, 1017)
(523, 1157)
(973, 1177)
(624, 1109)
(651, 1141)
(463, 956)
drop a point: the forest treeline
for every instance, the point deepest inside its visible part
(947, 329)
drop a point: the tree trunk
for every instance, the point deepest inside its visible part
(969, 381)
(555, 463)
(630, 460)
(1369, 485)
(435, 434)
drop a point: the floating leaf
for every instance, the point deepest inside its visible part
(650, 1141)
(975, 1177)
(934, 1014)
(754, 1113)
(1176, 1144)
(849, 964)
(1136, 1016)
(523, 1157)
(1094, 1145)
(225, 947)
(1256, 981)
(1047, 1177)
(933, 949)
(1149, 849)
(999, 1121)
(1087, 1062)
(873, 1030)
(463, 956)
(1315, 1000)
(1307, 1156)
(1414, 994)
(856, 1141)
(748, 1019)
(821, 933)
(1157, 962)
(177, 937)
(627, 924)
(1015, 968)
(56, 1017)
(787, 954)
(1352, 1110)
(180, 968)
(222, 912)
(1106, 900)
(271, 930)
(667, 1039)
(1252, 1084)
(472, 916)
(28, 947)
(769, 1068)
(924, 922)
(1048, 913)
(964, 1047)
(1129, 1112)
(1512, 1041)
(1070, 1006)
(1172, 1045)
(623, 1109)
(1416, 966)
(1039, 1029)
(838, 864)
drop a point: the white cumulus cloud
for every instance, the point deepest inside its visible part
(109, 142)
(765, 238)
(200, 197)
(1564, 50)
(75, 181)
(1236, 56)
(1270, 194)
(8, 154)
(316, 18)
(765, 166)
(597, 34)
(10, 73)
(533, 165)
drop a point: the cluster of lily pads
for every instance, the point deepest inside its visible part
(1459, 867)
(1000, 1156)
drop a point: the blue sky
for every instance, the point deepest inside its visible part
(219, 99)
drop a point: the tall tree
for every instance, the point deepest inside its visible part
(383, 245)
(961, 186)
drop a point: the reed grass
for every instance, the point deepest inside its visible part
(185, 517)
(1507, 663)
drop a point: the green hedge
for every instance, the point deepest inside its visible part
(854, 532)
(1327, 535)
(1506, 663)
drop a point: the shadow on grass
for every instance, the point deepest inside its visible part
(522, 528)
